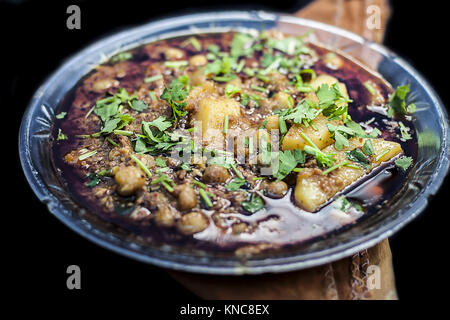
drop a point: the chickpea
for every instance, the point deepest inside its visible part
(187, 199)
(198, 60)
(129, 180)
(104, 84)
(192, 222)
(147, 160)
(239, 228)
(164, 216)
(173, 53)
(332, 61)
(276, 188)
(215, 173)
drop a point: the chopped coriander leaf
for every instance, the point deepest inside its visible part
(123, 133)
(61, 135)
(160, 162)
(262, 77)
(153, 96)
(289, 45)
(154, 141)
(185, 166)
(224, 161)
(368, 148)
(214, 67)
(238, 173)
(242, 45)
(225, 125)
(336, 166)
(267, 60)
(89, 112)
(356, 155)
(205, 198)
(246, 98)
(94, 179)
(193, 42)
(86, 155)
(370, 88)
(287, 161)
(282, 125)
(258, 88)
(123, 95)
(224, 78)
(231, 90)
(357, 129)
(404, 131)
(165, 181)
(174, 95)
(107, 107)
(240, 66)
(153, 78)
(379, 156)
(141, 165)
(198, 183)
(411, 108)
(323, 159)
(304, 111)
(374, 133)
(332, 101)
(111, 141)
(344, 205)
(235, 184)
(213, 48)
(121, 57)
(161, 123)
(249, 72)
(263, 124)
(397, 103)
(138, 105)
(61, 115)
(403, 163)
(254, 204)
(176, 64)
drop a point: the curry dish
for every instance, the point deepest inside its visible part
(234, 142)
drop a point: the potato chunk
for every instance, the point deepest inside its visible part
(272, 123)
(211, 112)
(129, 180)
(314, 189)
(321, 137)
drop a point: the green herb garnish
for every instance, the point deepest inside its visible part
(254, 204)
(86, 155)
(356, 155)
(404, 162)
(61, 135)
(153, 78)
(61, 115)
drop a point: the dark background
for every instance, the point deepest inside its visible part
(35, 41)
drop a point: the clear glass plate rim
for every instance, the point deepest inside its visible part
(275, 265)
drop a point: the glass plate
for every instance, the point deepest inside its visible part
(426, 176)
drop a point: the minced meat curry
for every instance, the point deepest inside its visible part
(231, 141)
